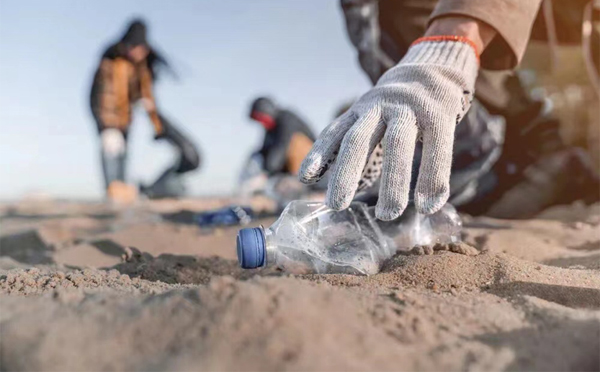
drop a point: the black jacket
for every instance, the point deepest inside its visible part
(278, 142)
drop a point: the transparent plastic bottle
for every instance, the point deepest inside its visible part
(309, 237)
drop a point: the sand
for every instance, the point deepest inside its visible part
(84, 286)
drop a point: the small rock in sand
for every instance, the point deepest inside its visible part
(463, 248)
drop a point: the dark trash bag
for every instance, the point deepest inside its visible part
(170, 183)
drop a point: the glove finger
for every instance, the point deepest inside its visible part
(398, 152)
(433, 184)
(325, 149)
(356, 146)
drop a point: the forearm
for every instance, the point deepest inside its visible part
(149, 102)
(511, 19)
(478, 32)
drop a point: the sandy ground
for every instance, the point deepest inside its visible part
(88, 287)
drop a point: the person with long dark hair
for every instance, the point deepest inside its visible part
(125, 76)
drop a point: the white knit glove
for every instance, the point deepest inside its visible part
(112, 142)
(423, 97)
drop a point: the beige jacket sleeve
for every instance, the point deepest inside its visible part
(146, 87)
(512, 19)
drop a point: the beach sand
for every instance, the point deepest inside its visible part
(86, 286)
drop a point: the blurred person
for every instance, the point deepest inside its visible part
(269, 179)
(272, 170)
(287, 137)
(435, 64)
(124, 77)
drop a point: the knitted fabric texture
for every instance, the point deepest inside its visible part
(422, 98)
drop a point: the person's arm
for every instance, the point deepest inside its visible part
(150, 103)
(423, 97)
(511, 20)
(95, 95)
(477, 31)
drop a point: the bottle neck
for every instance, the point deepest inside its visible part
(270, 247)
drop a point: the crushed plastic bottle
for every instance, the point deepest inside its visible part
(309, 237)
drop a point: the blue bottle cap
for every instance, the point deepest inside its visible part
(251, 248)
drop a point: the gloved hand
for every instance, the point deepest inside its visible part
(112, 142)
(422, 97)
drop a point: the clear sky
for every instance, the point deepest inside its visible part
(226, 52)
